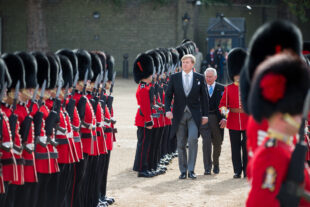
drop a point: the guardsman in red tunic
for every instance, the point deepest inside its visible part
(143, 70)
(10, 170)
(264, 43)
(278, 92)
(17, 70)
(70, 72)
(237, 119)
(88, 124)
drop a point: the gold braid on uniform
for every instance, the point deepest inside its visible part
(280, 136)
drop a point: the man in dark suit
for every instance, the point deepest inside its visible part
(213, 131)
(190, 110)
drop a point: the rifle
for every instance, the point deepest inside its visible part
(85, 82)
(65, 96)
(113, 82)
(38, 118)
(33, 98)
(292, 189)
(71, 104)
(1, 117)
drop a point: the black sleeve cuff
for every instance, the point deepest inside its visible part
(148, 124)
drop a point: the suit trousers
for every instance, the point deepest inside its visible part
(187, 133)
(238, 144)
(211, 133)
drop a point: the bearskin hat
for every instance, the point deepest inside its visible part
(4, 75)
(269, 39)
(72, 57)
(175, 56)
(280, 84)
(16, 69)
(156, 59)
(84, 64)
(54, 71)
(43, 66)
(31, 68)
(103, 59)
(110, 66)
(235, 61)
(96, 66)
(143, 67)
(67, 71)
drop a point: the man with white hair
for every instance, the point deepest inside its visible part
(213, 131)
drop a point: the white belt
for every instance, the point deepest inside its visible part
(43, 139)
(60, 133)
(30, 147)
(7, 145)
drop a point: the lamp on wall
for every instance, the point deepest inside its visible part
(96, 15)
(185, 22)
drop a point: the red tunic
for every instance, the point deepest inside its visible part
(267, 171)
(256, 133)
(65, 153)
(144, 113)
(17, 149)
(30, 173)
(70, 137)
(108, 129)
(75, 122)
(99, 129)
(8, 161)
(231, 100)
(53, 153)
(88, 136)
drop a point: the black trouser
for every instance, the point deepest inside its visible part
(4, 196)
(103, 185)
(77, 196)
(64, 182)
(88, 181)
(157, 147)
(41, 190)
(52, 188)
(141, 158)
(173, 143)
(238, 143)
(101, 174)
(165, 141)
(25, 195)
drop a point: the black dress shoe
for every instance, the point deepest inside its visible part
(236, 175)
(216, 169)
(109, 200)
(182, 176)
(192, 175)
(207, 172)
(145, 174)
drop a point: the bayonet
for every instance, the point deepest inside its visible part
(42, 93)
(16, 95)
(113, 81)
(59, 86)
(3, 91)
(65, 96)
(85, 81)
(95, 86)
(76, 78)
(33, 98)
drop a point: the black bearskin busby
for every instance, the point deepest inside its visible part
(72, 57)
(110, 66)
(96, 66)
(54, 71)
(67, 71)
(84, 64)
(16, 69)
(235, 61)
(269, 39)
(143, 67)
(31, 68)
(4, 75)
(280, 84)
